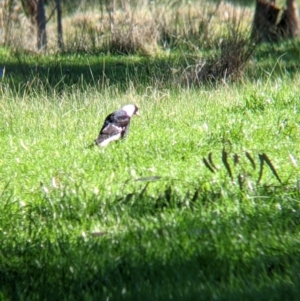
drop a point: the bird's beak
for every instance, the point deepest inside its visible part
(137, 114)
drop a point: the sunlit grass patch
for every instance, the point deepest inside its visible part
(147, 214)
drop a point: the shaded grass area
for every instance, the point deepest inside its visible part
(62, 71)
(144, 218)
(239, 2)
(248, 249)
(57, 72)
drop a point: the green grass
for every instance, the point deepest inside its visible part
(145, 218)
(149, 218)
(61, 73)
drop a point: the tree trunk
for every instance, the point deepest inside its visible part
(30, 8)
(264, 22)
(7, 10)
(60, 41)
(289, 24)
(111, 9)
(41, 26)
(271, 23)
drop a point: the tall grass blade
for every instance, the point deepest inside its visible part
(268, 161)
(226, 164)
(207, 165)
(248, 156)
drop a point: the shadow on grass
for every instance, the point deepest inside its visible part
(64, 71)
(280, 59)
(60, 72)
(192, 254)
(239, 2)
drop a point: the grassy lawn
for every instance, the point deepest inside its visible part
(145, 218)
(199, 202)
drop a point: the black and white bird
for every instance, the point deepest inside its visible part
(116, 125)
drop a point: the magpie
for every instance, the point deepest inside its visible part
(116, 125)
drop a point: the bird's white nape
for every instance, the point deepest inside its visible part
(130, 109)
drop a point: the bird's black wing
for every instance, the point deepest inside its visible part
(115, 126)
(118, 118)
